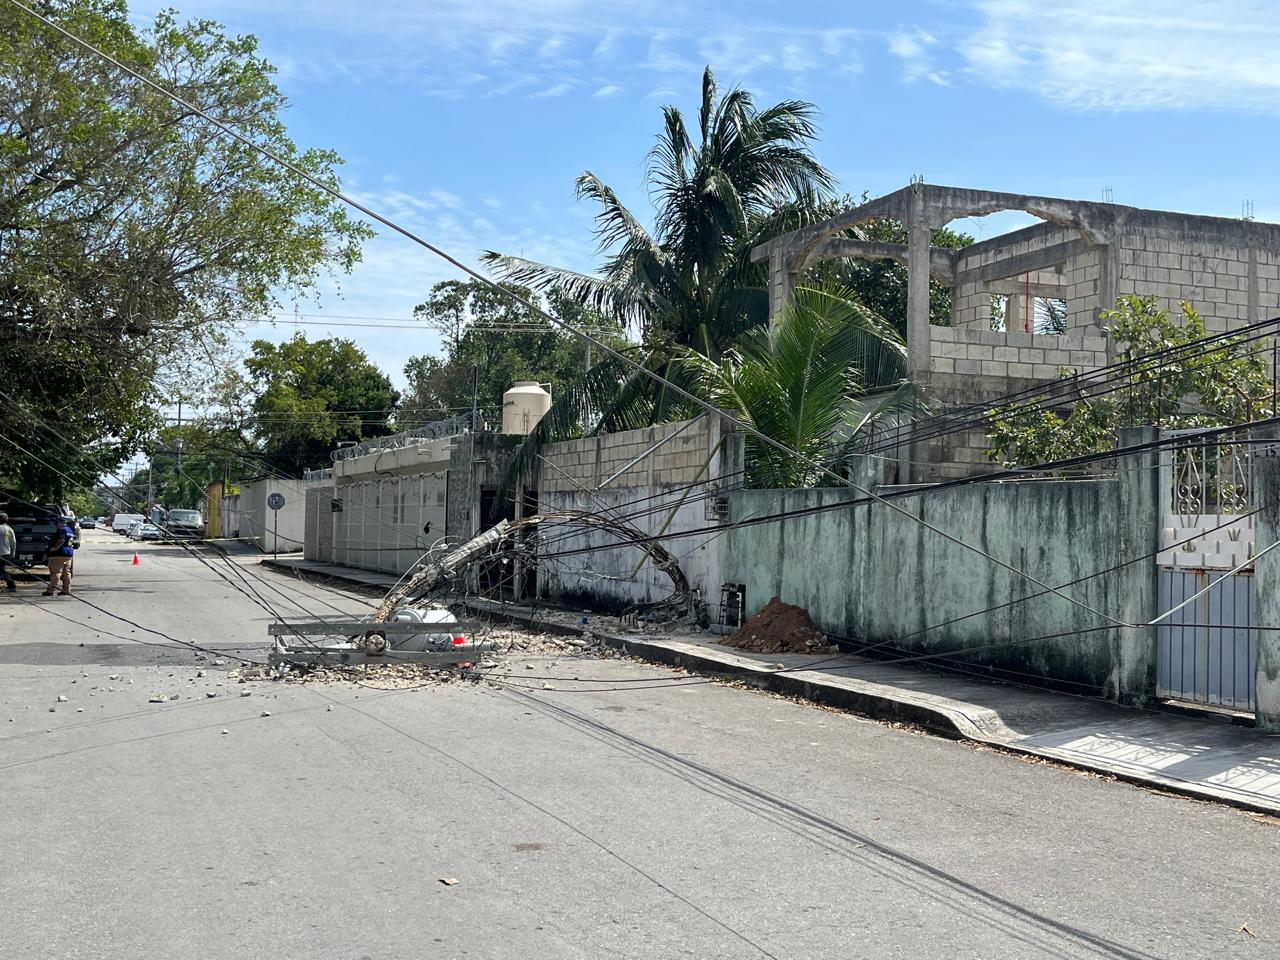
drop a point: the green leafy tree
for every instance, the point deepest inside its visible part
(798, 382)
(1227, 382)
(505, 341)
(132, 235)
(312, 395)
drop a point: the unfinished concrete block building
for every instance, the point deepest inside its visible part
(1085, 253)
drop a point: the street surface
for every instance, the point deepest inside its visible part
(654, 816)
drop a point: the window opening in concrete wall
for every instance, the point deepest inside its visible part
(999, 310)
(1051, 316)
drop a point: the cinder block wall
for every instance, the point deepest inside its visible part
(666, 491)
(1229, 279)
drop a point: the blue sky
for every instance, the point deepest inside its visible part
(469, 119)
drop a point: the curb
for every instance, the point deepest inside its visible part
(291, 570)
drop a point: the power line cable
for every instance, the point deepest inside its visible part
(639, 367)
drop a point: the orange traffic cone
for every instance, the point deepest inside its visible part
(136, 561)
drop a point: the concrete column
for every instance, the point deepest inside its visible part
(1266, 572)
(782, 283)
(1134, 648)
(1013, 316)
(918, 234)
(1108, 285)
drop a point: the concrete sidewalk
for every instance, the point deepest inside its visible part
(1206, 758)
(332, 571)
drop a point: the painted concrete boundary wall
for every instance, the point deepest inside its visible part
(387, 498)
(246, 514)
(654, 495)
(873, 575)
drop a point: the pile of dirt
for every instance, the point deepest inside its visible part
(780, 628)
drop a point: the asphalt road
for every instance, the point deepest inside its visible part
(652, 816)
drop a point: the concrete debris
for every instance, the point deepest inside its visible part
(265, 713)
(199, 673)
(61, 698)
(219, 663)
(158, 698)
(329, 708)
(114, 676)
(246, 693)
(225, 730)
(449, 881)
(210, 694)
(53, 709)
(79, 709)
(780, 628)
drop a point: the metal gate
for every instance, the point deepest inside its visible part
(1207, 651)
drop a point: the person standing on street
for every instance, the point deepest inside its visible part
(8, 552)
(60, 553)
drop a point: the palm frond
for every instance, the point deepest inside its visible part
(622, 302)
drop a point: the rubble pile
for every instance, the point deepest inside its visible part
(504, 644)
(780, 628)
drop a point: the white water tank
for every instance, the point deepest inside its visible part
(523, 406)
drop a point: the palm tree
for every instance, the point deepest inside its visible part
(801, 382)
(688, 283)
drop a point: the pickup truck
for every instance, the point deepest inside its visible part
(34, 525)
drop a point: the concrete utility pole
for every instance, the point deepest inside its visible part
(178, 468)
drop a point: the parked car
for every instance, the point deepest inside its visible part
(185, 523)
(145, 531)
(121, 522)
(88, 523)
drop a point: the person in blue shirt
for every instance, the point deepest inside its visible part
(60, 553)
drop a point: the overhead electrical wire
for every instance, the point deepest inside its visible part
(639, 367)
(599, 344)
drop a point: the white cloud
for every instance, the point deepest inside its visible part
(608, 90)
(445, 198)
(479, 49)
(913, 49)
(1142, 54)
(555, 90)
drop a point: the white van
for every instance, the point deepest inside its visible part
(123, 521)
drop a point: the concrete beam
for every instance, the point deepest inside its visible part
(1016, 288)
(942, 262)
(794, 246)
(1030, 262)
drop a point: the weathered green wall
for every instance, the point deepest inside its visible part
(871, 574)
